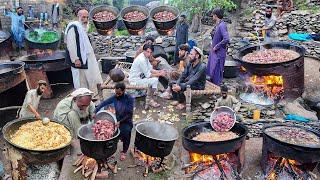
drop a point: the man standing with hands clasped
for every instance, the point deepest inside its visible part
(80, 54)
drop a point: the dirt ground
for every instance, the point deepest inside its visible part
(251, 169)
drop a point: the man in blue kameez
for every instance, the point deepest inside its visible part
(218, 52)
(17, 25)
(123, 104)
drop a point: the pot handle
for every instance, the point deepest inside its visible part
(109, 145)
(199, 144)
(161, 145)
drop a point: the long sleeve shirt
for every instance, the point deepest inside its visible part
(123, 105)
(195, 76)
(230, 102)
(182, 33)
(220, 37)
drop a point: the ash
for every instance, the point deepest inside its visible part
(47, 171)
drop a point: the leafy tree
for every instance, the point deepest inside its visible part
(196, 7)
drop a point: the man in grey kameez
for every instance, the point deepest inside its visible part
(76, 109)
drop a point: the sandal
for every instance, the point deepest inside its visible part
(174, 103)
(154, 104)
(122, 156)
(180, 106)
(166, 95)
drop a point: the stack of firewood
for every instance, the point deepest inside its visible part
(91, 169)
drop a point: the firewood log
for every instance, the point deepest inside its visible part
(80, 167)
(94, 173)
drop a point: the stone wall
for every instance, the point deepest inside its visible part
(297, 21)
(118, 45)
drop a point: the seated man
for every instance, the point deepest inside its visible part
(75, 110)
(142, 73)
(183, 56)
(148, 40)
(193, 75)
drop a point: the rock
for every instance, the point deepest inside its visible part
(205, 105)
(296, 108)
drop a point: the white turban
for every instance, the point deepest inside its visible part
(81, 92)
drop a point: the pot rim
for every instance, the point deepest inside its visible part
(96, 140)
(5, 128)
(214, 142)
(139, 7)
(165, 140)
(239, 57)
(107, 7)
(291, 144)
(166, 6)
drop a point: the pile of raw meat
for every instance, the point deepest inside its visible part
(135, 16)
(104, 16)
(270, 56)
(103, 129)
(164, 16)
(223, 122)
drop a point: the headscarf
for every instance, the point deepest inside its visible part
(81, 92)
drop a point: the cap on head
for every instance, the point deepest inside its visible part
(42, 82)
(149, 38)
(199, 51)
(224, 89)
(82, 92)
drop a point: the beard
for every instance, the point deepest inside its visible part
(20, 14)
(81, 113)
(268, 15)
(85, 26)
(39, 92)
(193, 60)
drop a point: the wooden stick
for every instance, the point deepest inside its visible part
(78, 161)
(87, 174)
(75, 171)
(94, 173)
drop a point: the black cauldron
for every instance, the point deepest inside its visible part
(102, 27)
(135, 27)
(164, 26)
(36, 156)
(97, 149)
(37, 45)
(211, 148)
(155, 139)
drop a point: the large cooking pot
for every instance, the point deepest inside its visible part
(36, 156)
(38, 45)
(274, 45)
(135, 26)
(164, 26)
(231, 69)
(211, 148)
(104, 26)
(5, 43)
(11, 74)
(97, 149)
(155, 139)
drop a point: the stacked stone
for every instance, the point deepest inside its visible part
(117, 45)
(302, 21)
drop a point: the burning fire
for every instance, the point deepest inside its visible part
(285, 168)
(221, 165)
(148, 160)
(271, 85)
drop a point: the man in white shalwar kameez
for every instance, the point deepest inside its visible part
(84, 65)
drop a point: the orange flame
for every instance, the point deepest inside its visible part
(145, 158)
(272, 85)
(272, 175)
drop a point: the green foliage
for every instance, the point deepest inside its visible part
(121, 33)
(41, 36)
(198, 6)
(303, 5)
